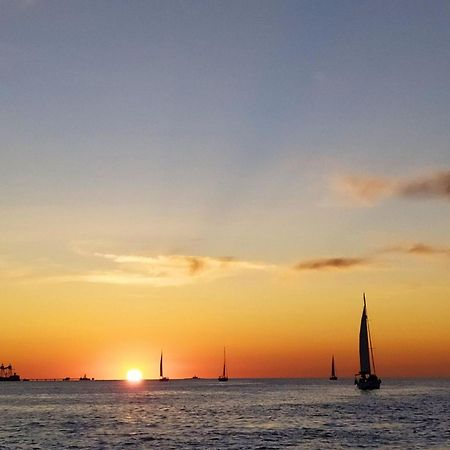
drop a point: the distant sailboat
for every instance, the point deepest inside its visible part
(367, 379)
(161, 373)
(333, 373)
(224, 376)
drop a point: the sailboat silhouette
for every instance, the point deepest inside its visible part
(224, 376)
(333, 373)
(367, 378)
(161, 372)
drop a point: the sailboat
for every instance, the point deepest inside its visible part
(224, 376)
(161, 373)
(333, 373)
(367, 380)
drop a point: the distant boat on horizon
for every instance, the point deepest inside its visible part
(7, 373)
(368, 379)
(85, 378)
(333, 373)
(161, 372)
(224, 376)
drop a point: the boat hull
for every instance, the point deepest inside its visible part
(223, 378)
(163, 379)
(10, 378)
(333, 378)
(368, 383)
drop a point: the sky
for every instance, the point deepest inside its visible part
(190, 176)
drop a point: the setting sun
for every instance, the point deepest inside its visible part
(134, 375)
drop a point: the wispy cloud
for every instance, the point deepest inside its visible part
(419, 249)
(171, 270)
(332, 263)
(368, 190)
(435, 185)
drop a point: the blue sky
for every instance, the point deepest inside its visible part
(220, 121)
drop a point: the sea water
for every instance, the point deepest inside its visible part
(240, 414)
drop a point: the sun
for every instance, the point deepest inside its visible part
(134, 375)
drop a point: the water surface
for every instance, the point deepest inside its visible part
(240, 414)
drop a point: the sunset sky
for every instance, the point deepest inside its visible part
(190, 175)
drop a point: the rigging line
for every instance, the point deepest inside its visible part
(371, 348)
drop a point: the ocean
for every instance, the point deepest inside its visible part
(240, 414)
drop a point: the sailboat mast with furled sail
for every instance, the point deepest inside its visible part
(161, 372)
(224, 376)
(368, 379)
(333, 376)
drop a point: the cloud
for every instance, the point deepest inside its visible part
(419, 249)
(435, 185)
(170, 270)
(332, 263)
(368, 190)
(365, 190)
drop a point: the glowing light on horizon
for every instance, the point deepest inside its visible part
(134, 375)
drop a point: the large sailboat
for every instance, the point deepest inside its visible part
(161, 372)
(333, 372)
(224, 376)
(367, 378)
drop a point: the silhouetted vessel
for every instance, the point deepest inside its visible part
(161, 373)
(224, 376)
(367, 380)
(333, 373)
(85, 378)
(195, 377)
(7, 373)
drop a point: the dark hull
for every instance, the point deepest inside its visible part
(223, 378)
(163, 379)
(10, 378)
(333, 378)
(368, 384)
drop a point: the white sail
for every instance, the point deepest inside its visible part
(364, 355)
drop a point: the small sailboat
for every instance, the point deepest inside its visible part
(161, 373)
(368, 379)
(333, 373)
(224, 376)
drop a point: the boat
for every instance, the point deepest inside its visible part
(333, 373)
(224, 376)
(7, 373)
(366, 377)
(195, 377)
(161, 373)
(85, 378)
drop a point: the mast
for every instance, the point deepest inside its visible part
(161, 366)
(371, 348)
(224, 363)
(364, 358)
(332, 367)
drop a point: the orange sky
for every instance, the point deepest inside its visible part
(190, 176)
(272, 326)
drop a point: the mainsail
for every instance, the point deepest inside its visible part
(332, 367)
(364, 355)
(161, 366)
